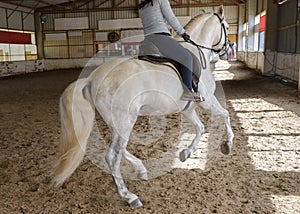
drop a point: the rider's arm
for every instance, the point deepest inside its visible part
(170, 17)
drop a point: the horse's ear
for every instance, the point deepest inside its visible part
(221, 11)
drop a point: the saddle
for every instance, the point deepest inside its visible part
(150, 53)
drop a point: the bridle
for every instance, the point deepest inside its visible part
(219, 50)
(223, 30)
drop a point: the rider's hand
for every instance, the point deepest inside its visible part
(186, 37)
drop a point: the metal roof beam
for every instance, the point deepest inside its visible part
(115, 5)
(20, 4)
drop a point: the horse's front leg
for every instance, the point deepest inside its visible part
(194, 119)
(113, 157)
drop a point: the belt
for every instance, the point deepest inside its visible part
(163, 33)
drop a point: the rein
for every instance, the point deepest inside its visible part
(200, 47)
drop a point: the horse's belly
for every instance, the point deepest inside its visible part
(162, 105)
(155, 111)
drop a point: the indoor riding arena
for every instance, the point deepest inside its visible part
(47, 45)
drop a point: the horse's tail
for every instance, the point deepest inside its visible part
(77, 118)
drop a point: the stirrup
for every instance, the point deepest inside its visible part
(192, 96)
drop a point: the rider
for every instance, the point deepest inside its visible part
(156, 15)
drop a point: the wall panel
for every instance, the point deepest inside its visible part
(231, 14)
(56, 52)
(71, 23)
(287, 27)
(181, 11)
(195, 11)
(3, 21)
(120, 14)
(28, 22)
(15, 20)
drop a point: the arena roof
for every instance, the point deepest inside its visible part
(67, 5)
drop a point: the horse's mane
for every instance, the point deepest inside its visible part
(195, 20)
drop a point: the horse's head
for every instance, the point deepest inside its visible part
(210, 31)
(220, 42)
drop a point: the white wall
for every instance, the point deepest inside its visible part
(55, 64)
(283, 64)
(254, 60)
(13, 68)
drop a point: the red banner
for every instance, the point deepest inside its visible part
(15, 38)
(262, 23)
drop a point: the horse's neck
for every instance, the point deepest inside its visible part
(202, 31)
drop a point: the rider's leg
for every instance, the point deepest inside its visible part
(172, 49)
(188, 93)
(186, 75)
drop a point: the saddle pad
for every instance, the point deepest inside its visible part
(162, 61)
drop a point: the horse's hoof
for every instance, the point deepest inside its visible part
(225, 148)
(136, 203)
(143, 176)
(184, 155)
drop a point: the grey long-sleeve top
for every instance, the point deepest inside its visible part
(155, 19)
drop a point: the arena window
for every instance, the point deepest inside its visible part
(17, 45)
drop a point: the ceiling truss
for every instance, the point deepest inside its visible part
(114, 5)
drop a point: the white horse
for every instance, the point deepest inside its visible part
(123, 89)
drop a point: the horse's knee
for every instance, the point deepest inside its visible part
(221, 112)
(202, 129)
(108, 158)
(226, 113)
(111, 158)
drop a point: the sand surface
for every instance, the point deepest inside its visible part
(261, 175)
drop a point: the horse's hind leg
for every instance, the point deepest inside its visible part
(138, 165)
(218, 109)
(194, 119)
(113, 157)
